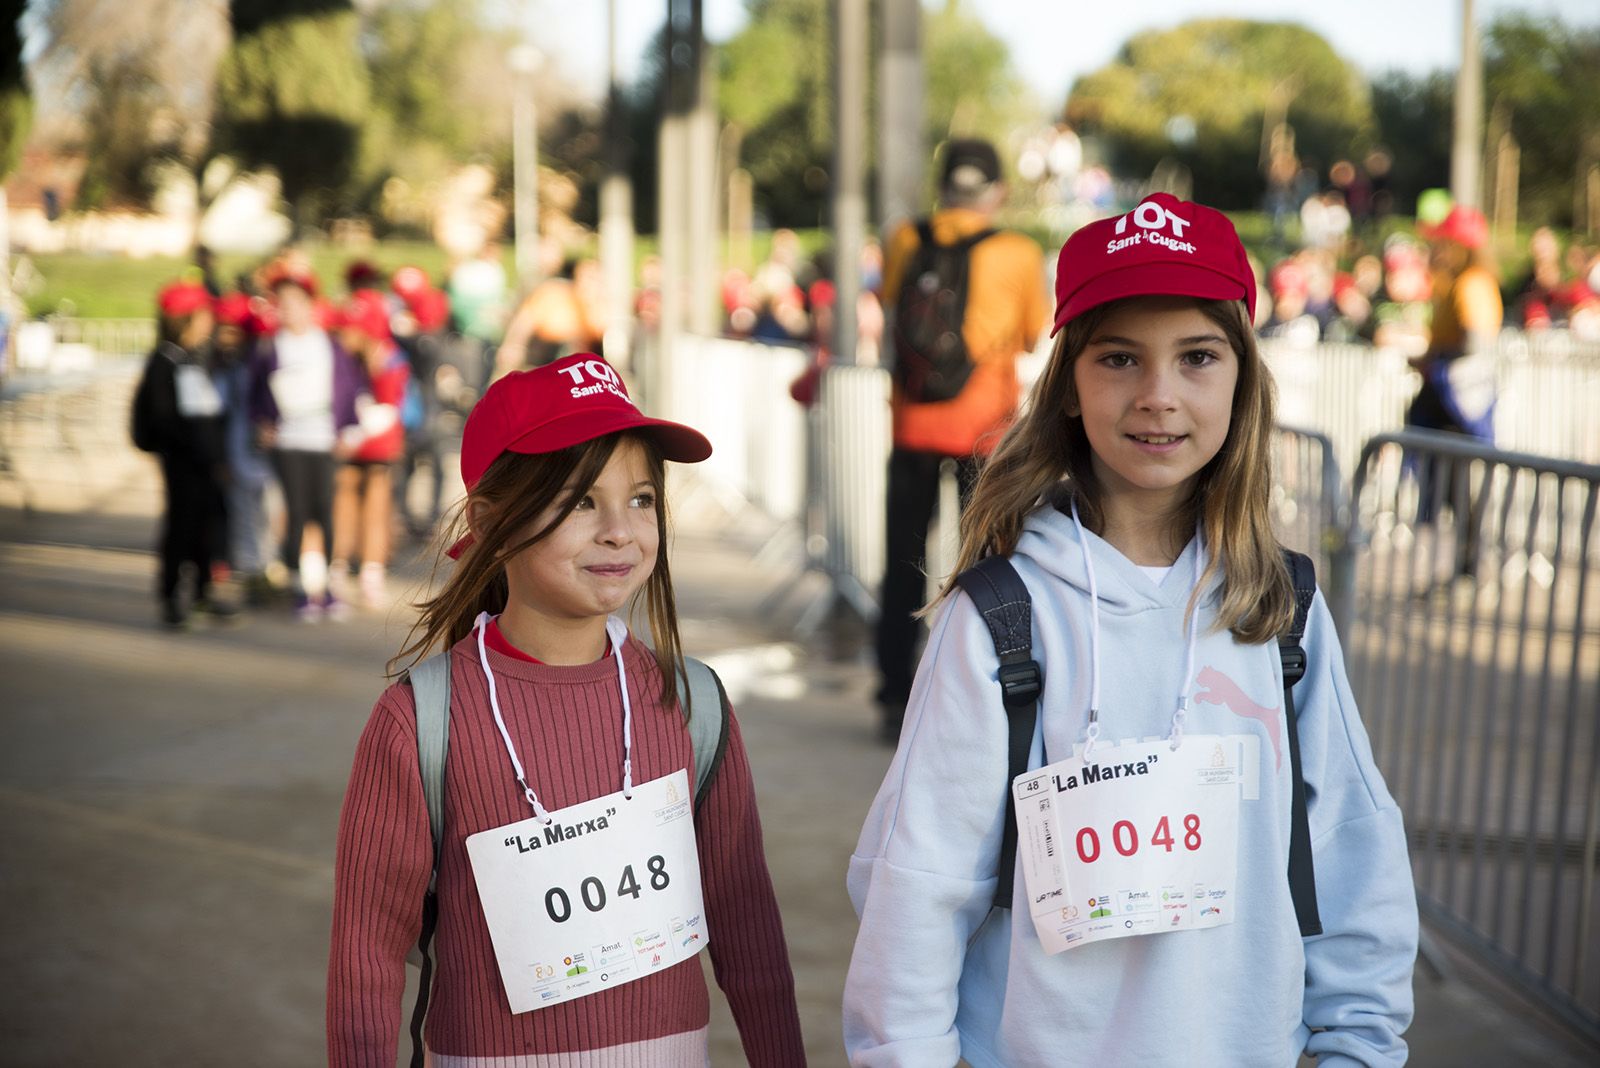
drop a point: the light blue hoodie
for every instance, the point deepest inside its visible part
(936, 975)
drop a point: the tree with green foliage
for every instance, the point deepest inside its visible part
(972, 90)
(1199, 94)
(293, 94)
(775, 87)
(16, 104)
(1545, 75)
(1414, 116)
(440, 93)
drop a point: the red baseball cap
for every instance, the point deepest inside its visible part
(1163, 246)
(367, 312)
(565, 403)
(575, 399)
(1464, 225)
(233, 309)
(182, 298)
(408, 280)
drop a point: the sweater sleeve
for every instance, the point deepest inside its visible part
(1358, 998)
(923, 874)
(380, 877)
(748, 952)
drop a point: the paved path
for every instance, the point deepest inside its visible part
(168, 802)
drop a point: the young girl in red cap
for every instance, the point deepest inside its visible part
(574, 885)
(1150, 920)
(363, 493)
(178, 415)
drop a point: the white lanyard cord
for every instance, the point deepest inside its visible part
(1093, 734)
(482, 627)
(1181, 712)
(617, 631)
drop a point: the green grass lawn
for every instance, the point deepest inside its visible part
(116, 287)
(105, 286)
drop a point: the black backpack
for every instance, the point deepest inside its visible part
(142, 418)
(1007, 609)
(931, 362)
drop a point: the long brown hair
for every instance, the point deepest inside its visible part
(1046, 456)
(513, 493)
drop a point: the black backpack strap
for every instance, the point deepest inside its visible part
(967, 243)
(1302, 873)
(1002, 599)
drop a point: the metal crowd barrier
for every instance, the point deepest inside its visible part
(1308, 504)
(64, 402)
(1549, 384)
(737, 394)
(108, 339)
(1475, 660)
(852, 481)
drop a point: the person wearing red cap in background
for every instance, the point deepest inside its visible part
(177, 415)
(440, 364)
(1156, 924)
(303, 390)
(554, 702)
(233, 346)
(1006, 310)
(1459, 376)
(363, 498)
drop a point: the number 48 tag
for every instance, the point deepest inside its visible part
(606, 893)
(1141, 840)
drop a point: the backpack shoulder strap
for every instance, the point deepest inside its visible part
(430, 687)
(699, 691)
(925, 233)
(1002, 600)
(967, 243)
(1302, 872)
(430, 691)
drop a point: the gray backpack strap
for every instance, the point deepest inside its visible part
(708, 729)
(430, 686)
(430, 693)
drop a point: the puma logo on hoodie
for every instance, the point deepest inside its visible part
(1217, 689)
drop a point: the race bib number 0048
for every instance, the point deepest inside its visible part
(1142, 839)
(607, 893)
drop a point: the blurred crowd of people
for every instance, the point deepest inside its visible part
(790, 298)
(1355, 279)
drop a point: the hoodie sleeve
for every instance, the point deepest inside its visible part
(1358, 999)
(923, 874)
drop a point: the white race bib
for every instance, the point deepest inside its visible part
(1142, 839)
(607, 893)
(197, 394)
(301, 389)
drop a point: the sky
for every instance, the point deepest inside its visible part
(1052, 42)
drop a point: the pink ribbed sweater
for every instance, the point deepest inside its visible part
(566, 723)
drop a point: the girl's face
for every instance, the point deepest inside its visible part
(296, 310)
(600, 555)
(1155, 389)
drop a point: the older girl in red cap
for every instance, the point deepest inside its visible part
(579, 870)
(1148, 918)
(178, 415)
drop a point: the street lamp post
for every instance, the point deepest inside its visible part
(524, 60)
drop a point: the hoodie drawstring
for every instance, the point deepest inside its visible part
(1181, 711)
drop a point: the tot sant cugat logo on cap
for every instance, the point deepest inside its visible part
(602, 379)
(1153, 221)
